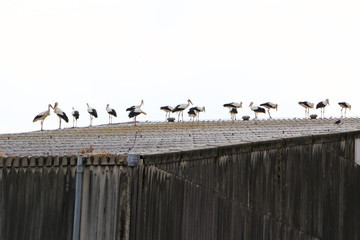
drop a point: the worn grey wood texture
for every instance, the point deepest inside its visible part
(301, 189)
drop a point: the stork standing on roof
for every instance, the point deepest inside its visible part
(167, 110)
(60, 113)
(192, 114)
(256, 109)
(93, 113)
(135, 113)
(132, 108)
(76, 115)
(344, 105)
(307, 105)
(269, 105)
(233, 113)
(41, 116)
(111, 113)
(180, 109)
(231, 106)
(198, 110)
(322, 106)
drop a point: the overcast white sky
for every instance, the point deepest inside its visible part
(166, 51)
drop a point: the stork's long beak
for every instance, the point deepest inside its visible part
(51, 106)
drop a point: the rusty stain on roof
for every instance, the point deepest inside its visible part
(154, 137)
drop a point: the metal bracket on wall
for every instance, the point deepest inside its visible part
(133, 160)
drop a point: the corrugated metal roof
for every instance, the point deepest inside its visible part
(153, 137)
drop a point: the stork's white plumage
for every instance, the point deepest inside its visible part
(231, 106)
(307, 105)
(180, 109)
(167, 110)
(256, 109)
(132, 108)
(111, 113)
(344, 105)
(135, 113)
(198, 110)
(41, 116)
(322, 106)
(233, 113)
(76, 115)
(269, 105)
(60, 113)
(93, 113)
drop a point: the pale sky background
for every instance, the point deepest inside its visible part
(165, 51)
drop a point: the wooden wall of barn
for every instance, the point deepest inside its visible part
(301, 189)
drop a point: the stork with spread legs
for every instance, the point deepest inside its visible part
(322, 106)
(307, 105)
(344, 105)
(198, 110)
(41, 116)
(180, 109)
(60, 113)
(269, 105)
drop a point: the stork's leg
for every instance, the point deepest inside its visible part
(42, 121)
(269, 113)
(135, 120)
(59, 123)
(182, 116)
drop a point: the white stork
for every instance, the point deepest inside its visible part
(76, 115)
(307, 105)
(41, 116)
(198, 110)
(180, 109)
(231, 106)
(256, 109)
(92, 112)
(269, 105)
(60, 113)
(233, 113)
(322, 106)
(132, 108)
(344, 105)
(111, 113)
(192, 113)
(135, 113)
(167, 110)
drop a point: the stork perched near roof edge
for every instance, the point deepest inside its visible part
(198, 110)
(180, 109)
(256, 109)
(344, 105)
(268, 106)
(307, 105)
(92, 112)
(76, 115)
(322, 106)
(135, 113)
(167, 110)
(192, 113)
(233, 113)
(60, 114)
(231, 106)
(41, 116)
(111, 113)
